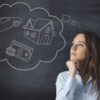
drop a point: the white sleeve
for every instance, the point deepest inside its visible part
(65, 90)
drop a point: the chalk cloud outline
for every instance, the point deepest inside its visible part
(59, 34)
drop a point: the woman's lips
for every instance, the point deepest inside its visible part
(72, 54)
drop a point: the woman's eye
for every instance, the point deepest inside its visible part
(80, 44)
(77, 44)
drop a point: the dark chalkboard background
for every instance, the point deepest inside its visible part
(29, 64)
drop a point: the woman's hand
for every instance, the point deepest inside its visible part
(72, 66)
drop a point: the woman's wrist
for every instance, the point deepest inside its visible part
(72, 74)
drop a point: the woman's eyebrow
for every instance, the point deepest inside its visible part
(78, 42)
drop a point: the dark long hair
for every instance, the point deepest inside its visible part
(93, 57)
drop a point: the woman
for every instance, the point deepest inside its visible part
(82, 81)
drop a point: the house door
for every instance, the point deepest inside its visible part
(45, 40)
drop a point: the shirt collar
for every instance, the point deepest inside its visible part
(88, 81)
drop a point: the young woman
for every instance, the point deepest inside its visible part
(82, 81)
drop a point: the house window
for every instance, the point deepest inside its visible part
(33, 35)
(27, 33)
(47, 30)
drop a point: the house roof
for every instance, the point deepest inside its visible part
(39, 24)
(30, 24)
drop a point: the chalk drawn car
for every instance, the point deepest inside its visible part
(19, 50)
(9, 22)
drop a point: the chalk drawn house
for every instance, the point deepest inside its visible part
(40, 31)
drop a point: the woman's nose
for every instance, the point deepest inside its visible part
(74, 47)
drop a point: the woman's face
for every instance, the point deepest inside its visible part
(78, 49)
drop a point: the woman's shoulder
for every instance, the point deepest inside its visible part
(63, 75)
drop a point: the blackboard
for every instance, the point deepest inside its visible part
(35, 37)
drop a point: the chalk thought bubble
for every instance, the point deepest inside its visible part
(29, 36)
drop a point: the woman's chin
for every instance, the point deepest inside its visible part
(72, 59)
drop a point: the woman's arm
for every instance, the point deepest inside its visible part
(65, 89)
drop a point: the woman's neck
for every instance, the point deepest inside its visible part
(81, 67)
